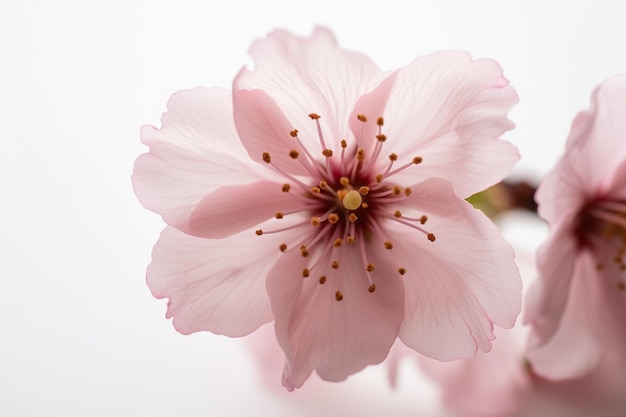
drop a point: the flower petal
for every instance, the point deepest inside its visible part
(310, 75)
(450, 110)
(231, 209)
(458, 286)
(214, 285)
(335, 338)
(196, 151)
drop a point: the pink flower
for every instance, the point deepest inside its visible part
(577, 307)
(291, 199)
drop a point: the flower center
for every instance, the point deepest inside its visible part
(348, 203)
(602, 227)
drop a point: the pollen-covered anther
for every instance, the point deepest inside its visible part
(338, 296)
(388, 245)
(364, 205)
(423, 219)
(417, 160)
(344, 144)
(304, 252)
(306, 272)
(327, 153)
(364, 190)
(286, 188)
(338, 242)
(266, 158)
(323, 185)
(279, 215)
(293, 154)
(379, 178)
(370, 267)
(282, 247)
(401, 271)
(431, 237)
(372, 288)
(294, 133)
(393, 157)
(361, 118)
(334, 265)
(315, 221)
(314, 116)
(259, 232)
(380, 121)
(408, 191)
(352, 218)
(315, 190)
(322, 279)
(352, 200)
(360, 154)
(350, 240)
(396, 190)
(381, 137)
(333, 218)
(345, 181)
(397, 213)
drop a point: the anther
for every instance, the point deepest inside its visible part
(323, 185)
(364, 190)
(293, 154)
(397, 213)
(344, 144)
(338, 296)
(345, 181)
(352, 218)
(315, 221)
(334, 265)
(350, 240)
(286, 188)
(282, 247)
(408, 191)
(417, 160)
(259, 232)
(360, 154)
(381, 137)
(379, 178)
(316, 190)
(401, 271)
(314, 116)
(333, 218)
(327, 153)
(372, 288)
(423, 219)
(306, 272)
(322, 279)
(388, 245)
(370, 267)
(266, 158)
(364, 205)
(294, 133)
(279, 215)
(304, 252)
(361, 118)
(380, 121)
(338, 242)
(393, 157)
(352, 200)
(431, 237)
(396, 190)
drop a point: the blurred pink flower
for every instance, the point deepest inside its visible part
(281, 205)
(576, 308)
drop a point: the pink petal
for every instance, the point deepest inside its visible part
(195, 152)
(597, 135)
(231, 209)
(214, 285)
(458, 286)
(310, 75)
(450, 110)
(590, 328)
(335, 338)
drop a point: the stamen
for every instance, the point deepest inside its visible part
(361, 118)
(294, 133)
(338, 296)
(266, 158)
(338, 242)
(286, 188)
(322, 279)
(370, 267)
(372, 288)
(401, 271)
(306, 272)
(282, 247)
(415, 161)
(364, 190)
(279, 215)
(333, 218)
(334, 265)
(388, 245)
(352, 218)
(293, 154)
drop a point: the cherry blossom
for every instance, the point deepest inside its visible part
(327, 196)
(576, 309)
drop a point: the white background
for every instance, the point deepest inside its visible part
(80, 334)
